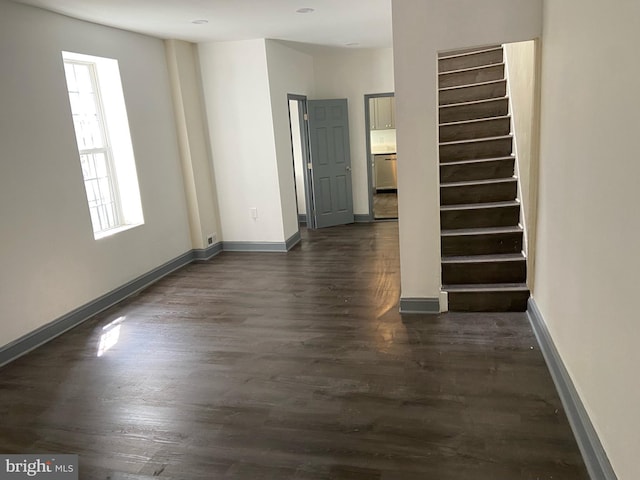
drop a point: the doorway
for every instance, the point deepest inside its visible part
(321, 161)
(381, 154)
(301, 159)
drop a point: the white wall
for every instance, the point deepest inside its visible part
(199, 184)
(351, 74)
(290, 71)
(588, 224)
(421, 29)
(241, 130)
(51, 263)
(246, 82)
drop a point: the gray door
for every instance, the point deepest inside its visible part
(330, 162)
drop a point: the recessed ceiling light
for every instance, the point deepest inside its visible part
(202, 21)
(305, 10)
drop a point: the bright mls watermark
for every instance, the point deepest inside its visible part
(49, 466)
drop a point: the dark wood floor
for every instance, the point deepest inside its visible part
(292, 366)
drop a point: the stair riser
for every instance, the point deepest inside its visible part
(500, 147)
(469, 77)
(473, 93)
(466, 50)
(480, 217)
(477, 171)
(459, 113)
(469, 61)
(494, 192)
(488, 301)
(485, 244)
(495, 127)
(484, 272)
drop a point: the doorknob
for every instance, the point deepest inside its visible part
(348, 168)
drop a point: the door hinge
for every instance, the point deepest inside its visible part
(306, 117)
(309, 166)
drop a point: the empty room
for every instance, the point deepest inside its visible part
(196, 283)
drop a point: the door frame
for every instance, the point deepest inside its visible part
(367, 124)
(306, 158)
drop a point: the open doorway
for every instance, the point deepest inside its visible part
(301, 158)
(381, 152)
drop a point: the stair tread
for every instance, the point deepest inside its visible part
(472, 102)
(462, 123)
(469, 85)
(471, 183)
(475, 52)
(476, 140)
(469, 69)
(499, 257)
(472, 206)
(480, 231)
(478, 160)
(487, 287)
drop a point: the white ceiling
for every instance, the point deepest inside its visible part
(334, 22)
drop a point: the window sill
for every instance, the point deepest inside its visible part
(113, 231)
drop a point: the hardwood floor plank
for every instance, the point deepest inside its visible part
(292, 366)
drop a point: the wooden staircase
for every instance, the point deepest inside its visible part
(483, 266)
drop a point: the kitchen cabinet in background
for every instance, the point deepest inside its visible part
(382, 113)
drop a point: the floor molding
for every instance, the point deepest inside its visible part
(293, 240)
(362, 218)
(202, 254)
(595, 458)
(419, 305)
(51, 330)
(254, 246)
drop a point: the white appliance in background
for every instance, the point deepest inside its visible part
(386, 172)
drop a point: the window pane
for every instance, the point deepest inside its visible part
(105, 191)
(83, 77)
(95, 153)
(84, 162)
(70, 74)
(76, 103)
(92, 197)
(88, 101)
(100, 165)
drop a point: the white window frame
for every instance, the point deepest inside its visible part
(120, 209)
(108, 154)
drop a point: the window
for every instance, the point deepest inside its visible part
(104, 143)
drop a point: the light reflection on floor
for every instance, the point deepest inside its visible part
(110, 336)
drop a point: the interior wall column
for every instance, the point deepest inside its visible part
(195, 157)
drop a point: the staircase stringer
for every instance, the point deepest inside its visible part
(523, 220)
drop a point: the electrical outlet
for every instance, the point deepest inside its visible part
(211, 239)
(254, 213)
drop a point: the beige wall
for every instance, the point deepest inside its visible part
(588, 224)
(522, 73)
(245, 88)
(51, 263)
(351, 74)
(290, 71)
(199, 184)
(241, 129)
(421, 29)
